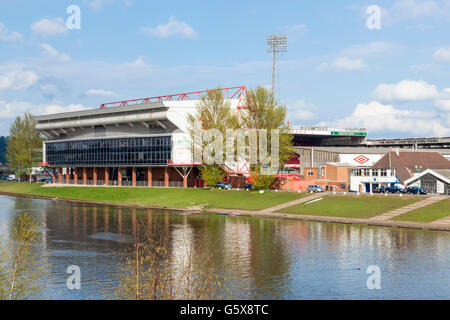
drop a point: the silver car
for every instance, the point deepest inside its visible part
(314, 188)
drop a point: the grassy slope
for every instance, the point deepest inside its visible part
(159, 196)
(429, 213)
(352, 206)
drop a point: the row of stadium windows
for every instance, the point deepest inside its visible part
(100, 152)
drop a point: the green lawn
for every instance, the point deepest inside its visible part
(352, 206)
(159, 196)
(429, 213)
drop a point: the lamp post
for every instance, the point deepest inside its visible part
(418, 169)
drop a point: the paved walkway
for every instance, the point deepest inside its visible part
(292, 203)
(391, 214)
(444, 221)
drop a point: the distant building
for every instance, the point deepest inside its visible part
(399, 167)
(406, 163)
(364, 179)
(434, 181)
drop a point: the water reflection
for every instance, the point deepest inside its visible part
(261, 258)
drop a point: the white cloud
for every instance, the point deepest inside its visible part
(50, 27)
(59, 108)
(6, 35)
(54, 54)
(444, 105)
(380, 118)
(13, 109)
(408, 10)
(369, 49)
(173, 28)
(18, 108)
(18, 79)
(296, 29)
(344, 63)
(97, 5)
(138, 63)
(302, 111)
(442, 55)
(406, 90)
(99, 93)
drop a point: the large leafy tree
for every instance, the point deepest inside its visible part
(24, 145)
(264, 112)
(213, 112)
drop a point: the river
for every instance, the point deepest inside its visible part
(262, 258)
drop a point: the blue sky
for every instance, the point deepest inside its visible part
(394, 81)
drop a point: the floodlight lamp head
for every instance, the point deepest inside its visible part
(277, 43)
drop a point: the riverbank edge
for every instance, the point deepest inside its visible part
(238, 212)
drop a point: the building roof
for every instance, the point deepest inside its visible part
(443, 175)
(405, 162)
(339, 164)
(443, 172)
(98, 112)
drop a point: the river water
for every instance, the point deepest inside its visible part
(261, 258)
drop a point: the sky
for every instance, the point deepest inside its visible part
(345, 65)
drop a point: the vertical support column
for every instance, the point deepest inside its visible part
(84, 176)
(119, 177)
(75, 175)
(185, 177)
(67, 176)
(166, 177)
(106, 176)
(54, 175)
(94, 176)
(60, 175)
(149, 176)
(133, 176)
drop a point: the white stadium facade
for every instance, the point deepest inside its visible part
(145, 142)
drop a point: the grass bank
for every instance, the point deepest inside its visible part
(180, 198)
(429, 213)
(351, 206)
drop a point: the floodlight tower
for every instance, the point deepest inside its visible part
(276, 43)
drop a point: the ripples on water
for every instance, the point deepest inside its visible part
(261, 258)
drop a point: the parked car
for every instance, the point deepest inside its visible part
(314, 188)
(248, 186)
(223, 185)
(4, 178)
(395, 189)
(46, 180)
(11, 178)
(416, 190)
(380, 190)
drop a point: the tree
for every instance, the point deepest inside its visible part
(211, 174)
(260, 181)
(213, 111)
(24, 145)
(20, 268)
(264, 112)
(154, 272)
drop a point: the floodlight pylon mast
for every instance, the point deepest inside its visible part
(276, 43)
